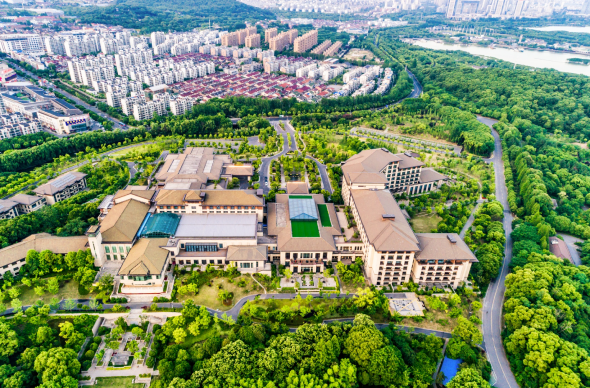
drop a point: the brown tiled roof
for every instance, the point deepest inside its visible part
(231, 197)
(123, 221)
(246, 253)
(40, 242)
(245, 170)
(384, 234)
(407, 161)
(25, 199)
(437, 246)
(145, 194)
(297, 188)
(365, 166)
(429, 175)
(145, 257)
(59, 183)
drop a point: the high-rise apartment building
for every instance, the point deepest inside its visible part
(283, 40)
(253, 40)
(451, 8)
(306, 41)
(270, 33)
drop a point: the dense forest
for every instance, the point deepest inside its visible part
(269, 356)
(170, 15)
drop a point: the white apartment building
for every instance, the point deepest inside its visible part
(181, 105)
(26, 43)
(114, 99)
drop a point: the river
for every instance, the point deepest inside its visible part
(585, 30)
(532, 58)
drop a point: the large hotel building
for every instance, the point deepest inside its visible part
(190, 223)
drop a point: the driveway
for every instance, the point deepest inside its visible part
(571, 241)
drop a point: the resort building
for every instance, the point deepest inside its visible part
(380, 169)
(210, 202)
(192, 169)
(304, 228)
(12, 258)
(8, 209)
(62, 187)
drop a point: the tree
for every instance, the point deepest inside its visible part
(132, 346)
(113, 345)
(467, 331)
(179, 335)
(363, 340)
(44, 335)
(70, 304)
(387, 368)
(468, 378)
(57, 364)
(53, 285)
(8, 341)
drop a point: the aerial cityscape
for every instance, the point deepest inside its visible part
(288, 194)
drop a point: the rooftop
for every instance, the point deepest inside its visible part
(390, 233)
(439, 246)
(123, 221)
(40, 242)
(145, 257)
(218, 225)
(25, 199)
(195, 165)
(61, 182)
(161, 225)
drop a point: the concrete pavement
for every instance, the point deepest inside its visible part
(494, 300)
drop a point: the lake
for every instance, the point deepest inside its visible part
(585, 30)
(532, 58)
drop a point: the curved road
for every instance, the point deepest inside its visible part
(492, 305)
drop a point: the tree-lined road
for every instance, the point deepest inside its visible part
(494, 300)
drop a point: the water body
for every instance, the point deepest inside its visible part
(532, 58)
(585, 30)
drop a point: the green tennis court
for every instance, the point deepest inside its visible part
(305, 228)
(324, 216)
(301, 196)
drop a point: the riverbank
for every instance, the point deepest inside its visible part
(543, 58)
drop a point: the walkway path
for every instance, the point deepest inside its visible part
(494, 300)
(253, 278)
(470, 219)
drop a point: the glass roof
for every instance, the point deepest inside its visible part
(161, 225)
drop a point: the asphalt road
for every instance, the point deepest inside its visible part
(492, 305)
(265, 162)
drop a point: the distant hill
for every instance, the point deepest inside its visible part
(164, 15)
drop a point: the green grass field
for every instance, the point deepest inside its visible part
(305, 228)
(116, 382)
(324, 216)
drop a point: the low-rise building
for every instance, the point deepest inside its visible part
(12, 258)
(62, 187)
(28, 203)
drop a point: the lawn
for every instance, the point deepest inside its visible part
(213, 330)
(324, 216)
(68, 289)
(207, 295)
(425, 223)
(140, 148)
(116, 382)
(305, 228)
